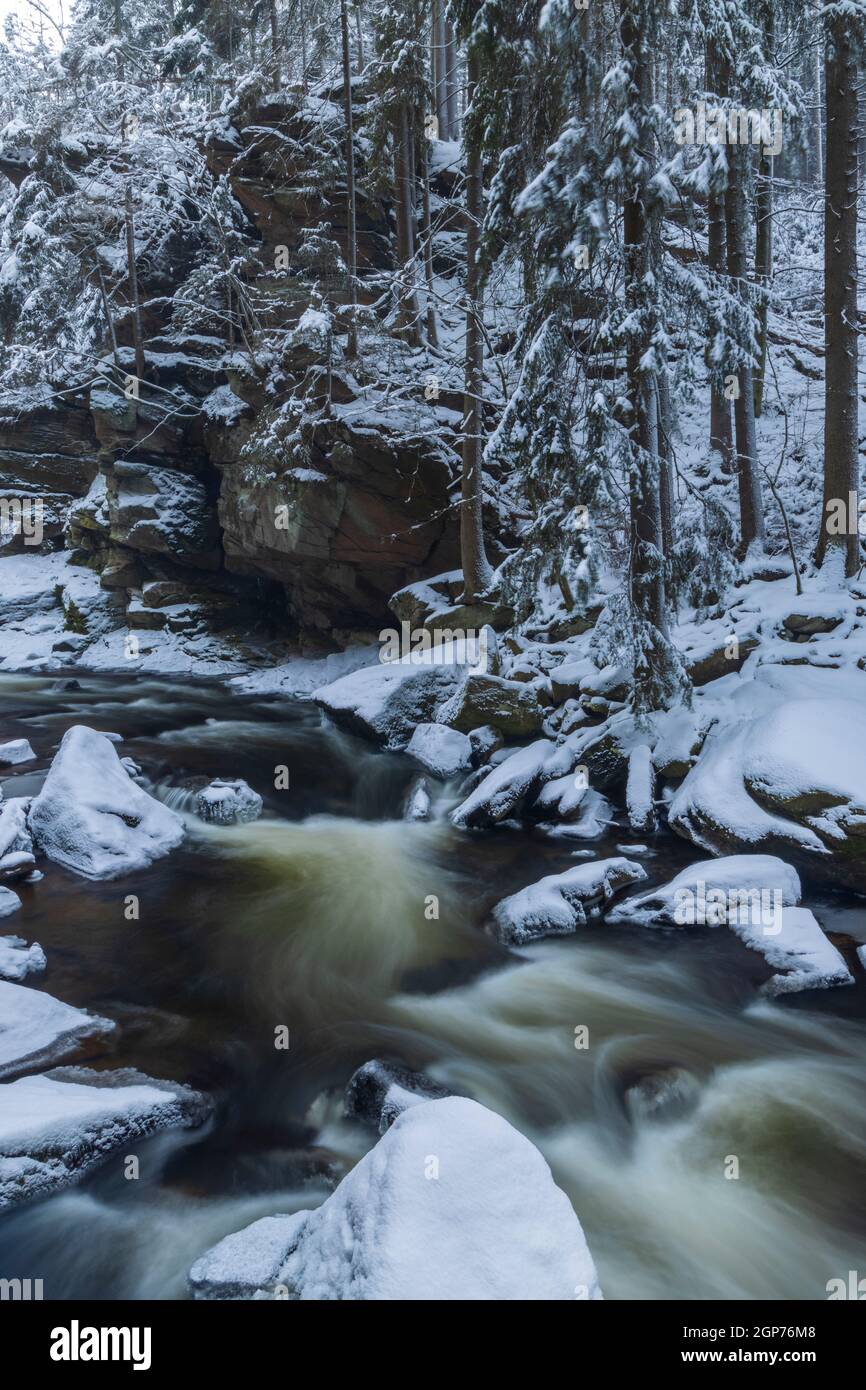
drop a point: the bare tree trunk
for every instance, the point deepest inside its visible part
(646, 567)
(432, 326)
(132, 276)
(118, 34)
(351, 232)
(721, 432)
(360, 32)
(408, 311)
(764, 228)
(819, 120)
(451, 81)
(751, 505)
(477, 573)
(275, 41)
(666, 454)
(841, 462)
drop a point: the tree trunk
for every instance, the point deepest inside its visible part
(439, 73)
(432, 326)
(646, 567)
(819, 121)
(408, 311)
(764, 227)
(477, 572)
(841, 463)
(351, 232)
(451, 81)
(751, 505)
(666, 473)
(275, 41)
(132, 276)
(721, 432)
(360, 30)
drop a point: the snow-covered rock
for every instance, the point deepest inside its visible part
(228, 802)
(91, 817)
(36, 1028)
(509, 706)
(380, 1091)
(506, 787)
(558, 903)
(452, 1204)
(16, 751)
(443, 751)
(16, 844)
(798, 948)
(417, 804)
(390, 699)
(55, 1127)
(639, 789)
(713, 891)
(17, 959)
(791, 780)
(9, 902)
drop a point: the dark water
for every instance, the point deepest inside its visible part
(313, 919)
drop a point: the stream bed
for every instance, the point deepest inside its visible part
(317, 919)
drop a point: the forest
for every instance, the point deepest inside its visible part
(432, 650)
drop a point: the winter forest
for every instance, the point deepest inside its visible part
(432, 651)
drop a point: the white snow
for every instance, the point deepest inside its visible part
(452, 1204)
(17, 959)
(506, 786)
(36, 1028)
(799, 949)
(714, 890)
(443, 751)
(91, 816)
(390, 699)
(228, 802)
(16, 844)
(17, 750)
(558, 904)
(9, 902)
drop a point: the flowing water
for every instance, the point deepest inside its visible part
(318, 919)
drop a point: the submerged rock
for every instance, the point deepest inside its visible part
(56, 1127)
(452, 1204)
(91, 817)
(558, 904)
(228, 802)
(380, 1091)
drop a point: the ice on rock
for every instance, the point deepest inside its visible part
(710, 890)
(9, 902)
(16, 845)
(228, 802)
(796, 946)
(443, 751)
(17, 959)
(506, 786)
(16, 751)
(55, 1127)
(491, 1226)
(388, 701)
(558, 903)
(91, 817)
(36, 1028)
(380, 1091)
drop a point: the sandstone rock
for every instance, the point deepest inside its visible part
(508, 706)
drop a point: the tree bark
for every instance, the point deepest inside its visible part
(439, 73)
(721, 432)
(841, 462)
(351, 231)
(451, 81)
(477, 573)
(132, 275)
(408, 312)
(764, 225)
(646, 567)
(751, 504)
(432, 326)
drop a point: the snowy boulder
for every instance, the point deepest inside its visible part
(36, 1028)
(389, 700)
(594, 815)
(228, 802)
(16, 751)
(443, 751)
(509, 706)
(792, 781)
(380, 1091)
(507, 786)
(17, 959)
(452, 1204)
(16, 844)
(56, 1127)
(417, 804)
(91, 817)
(713, 891)
(559, 903)
(796, 946)
(9, 902)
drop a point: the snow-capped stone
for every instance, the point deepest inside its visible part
(509, 706)
(506, 787)
(594, 815)
(36, 1028)
(55, 1127)
(639, 789)
(484, 742)
(796, 946)
(390, 699)
(16, 751)
(91, 817)
(712, 890)
(380, 1091)
(491, 1225)
(559, 903)
(228, 802)
(17, 959)
(417, 806)
(443, 751)
(16, 845)
(9, 902)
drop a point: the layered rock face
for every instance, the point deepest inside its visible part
(158, 488)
